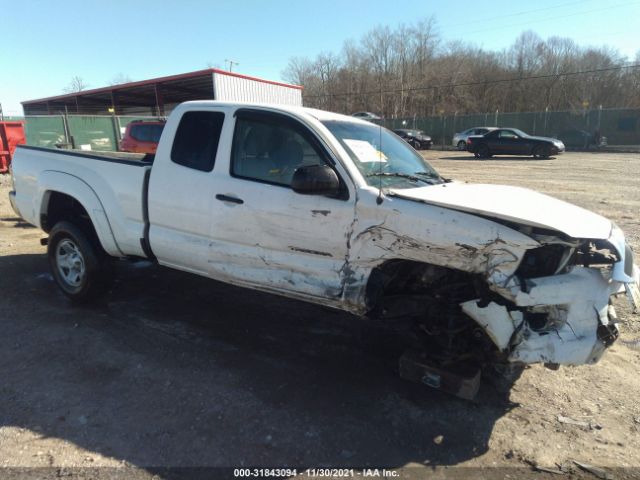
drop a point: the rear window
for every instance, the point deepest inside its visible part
(196, 141)
(147, 133)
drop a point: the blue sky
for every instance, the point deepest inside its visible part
(45, 43)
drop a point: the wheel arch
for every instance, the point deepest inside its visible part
(66, 197)
(393, 274)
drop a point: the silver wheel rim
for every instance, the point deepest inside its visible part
(70, 263)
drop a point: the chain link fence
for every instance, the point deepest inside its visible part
(620, 127)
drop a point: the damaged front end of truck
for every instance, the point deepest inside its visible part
(556, 308)
(548, 301)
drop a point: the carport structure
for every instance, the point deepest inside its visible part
(156, 96)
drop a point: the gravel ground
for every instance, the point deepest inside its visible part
(176, 370)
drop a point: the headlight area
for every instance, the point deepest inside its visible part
(557, 309)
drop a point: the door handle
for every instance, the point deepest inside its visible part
(228, 198)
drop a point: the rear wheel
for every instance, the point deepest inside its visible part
(462, 145)
(79, 266)
(541, 152)
(483, 152)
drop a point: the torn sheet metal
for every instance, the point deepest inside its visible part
(499, 323)
(576, 306)
(412, 232)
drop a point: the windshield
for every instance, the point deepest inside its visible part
(382, 157)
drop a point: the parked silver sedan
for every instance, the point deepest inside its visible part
(460, 139)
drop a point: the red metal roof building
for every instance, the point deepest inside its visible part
(158, 96)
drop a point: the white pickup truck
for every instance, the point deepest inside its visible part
(340, 212)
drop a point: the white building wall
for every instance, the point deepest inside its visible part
(239, 89)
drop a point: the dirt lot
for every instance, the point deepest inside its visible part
(175, 370)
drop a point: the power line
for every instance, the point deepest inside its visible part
(471, 84)
(557, 18)
(436, 26)
(265, 61)
(523, 12)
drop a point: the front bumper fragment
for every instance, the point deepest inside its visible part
(579, 321)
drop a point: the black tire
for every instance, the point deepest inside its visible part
(416, 144)
(541, 152)
(483, 152)
(462, 145)
(78, 263)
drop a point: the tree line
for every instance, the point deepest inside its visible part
(410, 71)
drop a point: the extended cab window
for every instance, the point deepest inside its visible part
(196, 141)
(269, 148)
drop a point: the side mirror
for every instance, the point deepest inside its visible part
(315, 180)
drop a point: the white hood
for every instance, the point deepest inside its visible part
(516, 204)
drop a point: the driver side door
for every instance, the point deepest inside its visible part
(265, 235)
(507, 143)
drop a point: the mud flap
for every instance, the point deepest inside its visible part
(461, 380)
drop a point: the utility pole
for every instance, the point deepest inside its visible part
(231, 63)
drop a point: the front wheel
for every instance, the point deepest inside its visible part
(416, 144)
(79, 265)
(541, 153)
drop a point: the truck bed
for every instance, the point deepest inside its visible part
(116, 181)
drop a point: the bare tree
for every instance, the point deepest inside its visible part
(77, 84)
(299, 71)
(119, 79)
(407, 71)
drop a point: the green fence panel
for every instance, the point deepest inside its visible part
(621, 127)
(95, 131)
(45, 131)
